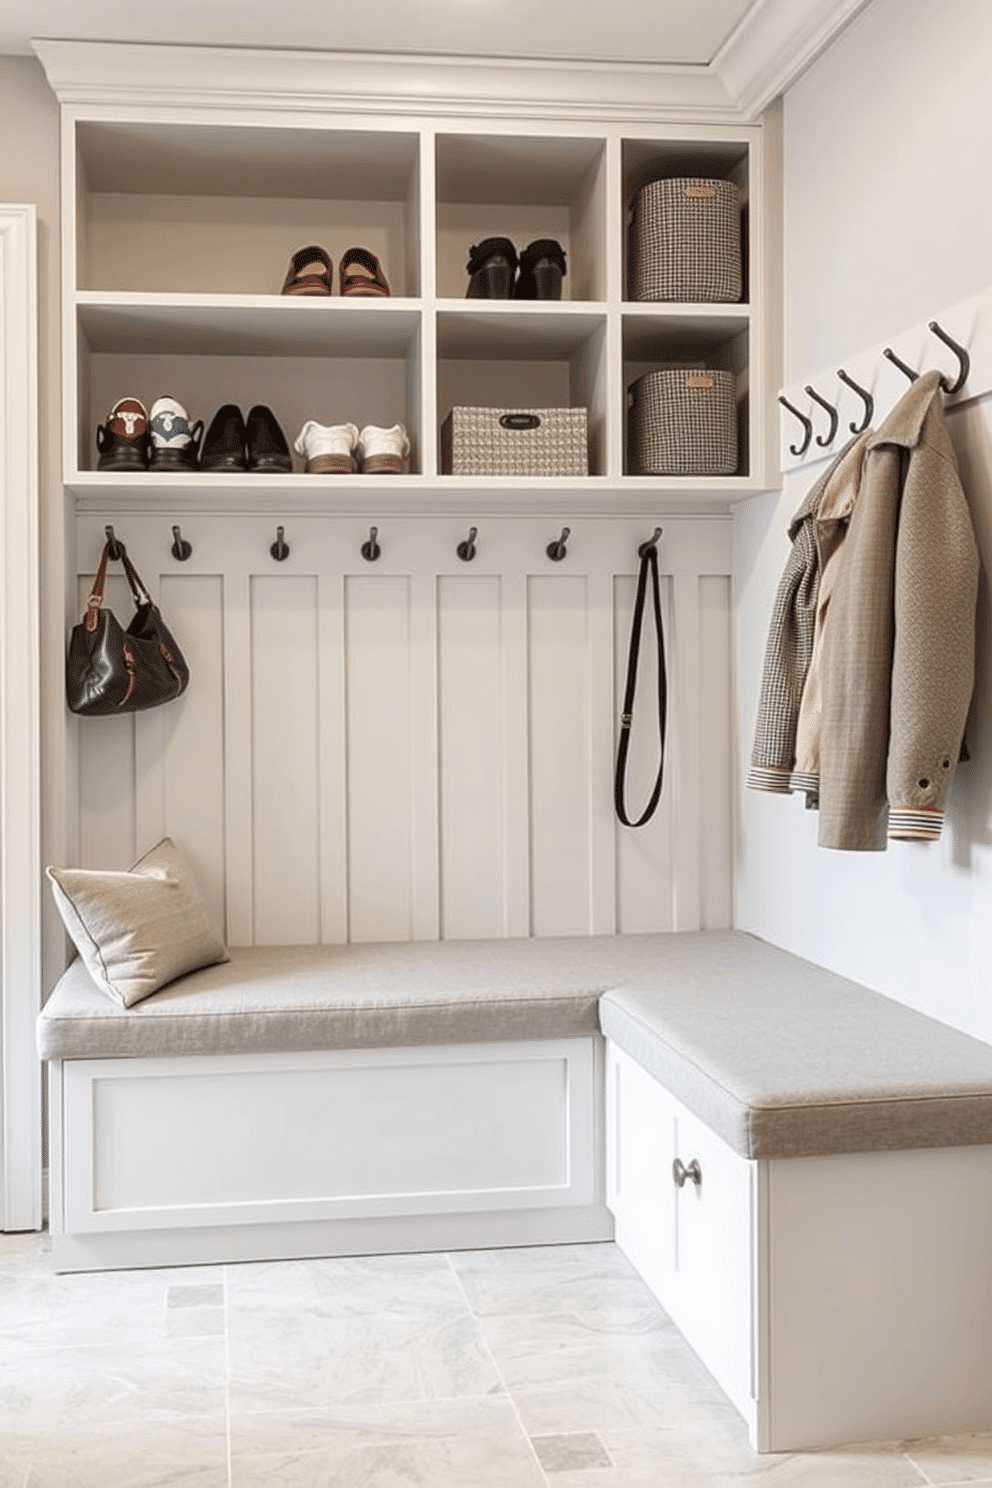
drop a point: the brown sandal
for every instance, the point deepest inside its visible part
(299, 282)
(371, 282)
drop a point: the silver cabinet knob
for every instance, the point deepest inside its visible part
(680, 1172)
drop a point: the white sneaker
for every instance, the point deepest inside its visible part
(383, 451)
(329, 448)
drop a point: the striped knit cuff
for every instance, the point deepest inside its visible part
(915, 823)
(807, 781)
(768, 778)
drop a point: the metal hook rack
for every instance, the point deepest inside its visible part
(280, 549)
(806, 423)
(652, 542)
(181, 549)
(466, 550)
(831, 435)
(866, 398)
(115, 549)
(371, 549)
(964, 360)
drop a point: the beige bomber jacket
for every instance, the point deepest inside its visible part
(898, 651)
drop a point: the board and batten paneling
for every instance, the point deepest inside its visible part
(421, 747)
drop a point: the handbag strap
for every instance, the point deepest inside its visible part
(649, 566)
(95, 600)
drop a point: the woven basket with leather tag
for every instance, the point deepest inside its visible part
(685, 241)
(515, 441)
(683, 422)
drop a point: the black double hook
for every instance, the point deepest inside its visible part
(557, 550)
(964, 360)
(181, 549)
(466, 550)
(807, 424)
(280, 548)
(867, 398)
(652, 542)
(115, 549)
(834, 417)
(371, 549)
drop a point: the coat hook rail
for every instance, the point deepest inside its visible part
(866, 398)
(831, 435)
(371, 549)
(280, 548)
(806, 423)
(115, 548)
(964, 360)
(652, 542)
(181, 549)
(466, 550)
(557, 550)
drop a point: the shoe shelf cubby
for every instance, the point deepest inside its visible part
(179, 232)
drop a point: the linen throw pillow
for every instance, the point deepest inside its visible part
(138, 930)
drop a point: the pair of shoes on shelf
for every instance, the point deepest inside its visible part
(256, 443)
(494, 263)
(340, 449)
(131, 439)
(311, 272)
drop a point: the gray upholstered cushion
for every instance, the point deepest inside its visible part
(785, 1059)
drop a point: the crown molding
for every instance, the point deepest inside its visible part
(774, 43)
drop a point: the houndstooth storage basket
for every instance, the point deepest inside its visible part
(515, 441)
(683, 423)
(685, 241)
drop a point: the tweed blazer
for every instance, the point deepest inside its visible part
(899, 642)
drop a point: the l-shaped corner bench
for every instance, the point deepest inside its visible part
(800, 1169)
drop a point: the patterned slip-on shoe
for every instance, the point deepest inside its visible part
(309, 273)
(268, 451)
(383, 451)
(542, 268)
(369, 280)
(329, 449)
(122, 442)
(224, 445)
(491, 266)
(175, 442)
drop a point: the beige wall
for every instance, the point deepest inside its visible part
(29, 172)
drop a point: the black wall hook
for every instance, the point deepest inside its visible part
(466, 549)
(834, 418)
(964, 360)
(181, 549)
(371, 549)
(807, 427)
(280, 548)
(862, 393)
(652, 542)
(114, 548)
(898, 362)
(556, 550)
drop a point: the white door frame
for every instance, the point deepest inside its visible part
(20, 816)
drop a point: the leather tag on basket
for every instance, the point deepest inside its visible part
(700, 380)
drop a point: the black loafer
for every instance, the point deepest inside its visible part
(224, 445)
(267, 447)
(491, 266)
(542, 268)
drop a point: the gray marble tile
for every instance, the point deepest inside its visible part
(953, 1459)
(579, 1451)
(148, 1454)
(62, 1390)
(44, 1311)
(445, 1444)
(25, 1254)
(316, 1357)
(553, 1279)
(196, 1322)
(353, 1285)
(195, 1294)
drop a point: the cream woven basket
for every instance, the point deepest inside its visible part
(685, 241)
(515, 441)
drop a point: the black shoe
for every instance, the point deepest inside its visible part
(122, 442)
(542, 268)
(492, 266)
(267, 447)
(224, 445)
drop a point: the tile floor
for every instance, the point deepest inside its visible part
(542, 1368)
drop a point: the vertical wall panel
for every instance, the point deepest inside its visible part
(471, 757)
(559, 756)
(106, 763)
(716, 762)
(644, 854)
(285, 759)
(379, 747)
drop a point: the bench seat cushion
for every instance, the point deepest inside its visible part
(269, 998)
(785, 1059)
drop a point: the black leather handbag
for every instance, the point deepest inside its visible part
(112, 670)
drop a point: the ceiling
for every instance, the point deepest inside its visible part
(671, 32)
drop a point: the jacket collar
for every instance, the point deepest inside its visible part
(904, 423)
(811, 503)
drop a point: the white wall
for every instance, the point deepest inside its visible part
(888, 219)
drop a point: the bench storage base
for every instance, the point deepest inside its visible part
(835, 1299)
(179, 1160)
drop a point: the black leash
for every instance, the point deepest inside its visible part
(648, 554)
